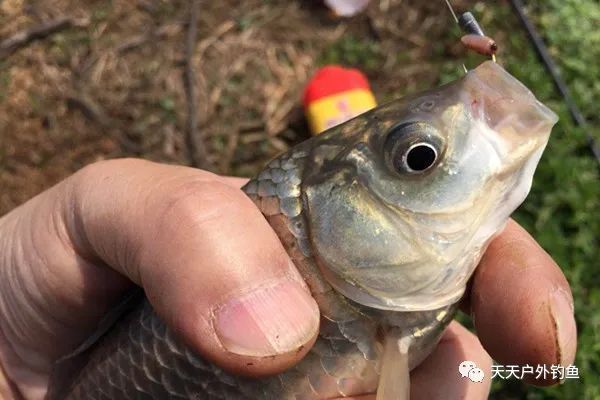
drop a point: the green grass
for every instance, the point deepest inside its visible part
(562, 211)
(571, 29)
(361, 53)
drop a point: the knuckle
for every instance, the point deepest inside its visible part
(193, 204)
(102, 171)
(100, 167)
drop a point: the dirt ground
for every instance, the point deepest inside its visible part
(112, 86)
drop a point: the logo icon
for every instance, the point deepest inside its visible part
(468, 369)
(476, 375)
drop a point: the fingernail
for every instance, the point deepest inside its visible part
(267, 321)
(566, 330)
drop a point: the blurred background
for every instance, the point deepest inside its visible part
(111, 82)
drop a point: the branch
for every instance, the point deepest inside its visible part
(139, 40)
(25, 37)
(197, 153)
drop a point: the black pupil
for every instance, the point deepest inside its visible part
(420, 157)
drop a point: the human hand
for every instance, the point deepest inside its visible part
(208, 262)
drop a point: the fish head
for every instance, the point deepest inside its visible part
(402, 201)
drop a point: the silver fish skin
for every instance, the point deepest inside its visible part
(386, 216)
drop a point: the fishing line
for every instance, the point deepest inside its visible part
(452, 11)
(474, 38)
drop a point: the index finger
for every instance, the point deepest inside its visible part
(522, 305)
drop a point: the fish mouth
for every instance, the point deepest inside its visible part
(521, 123)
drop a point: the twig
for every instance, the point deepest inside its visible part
(229, 153)
(218, 33)
(25, 37)
(139, 40)
(197, 155)
(90, 110)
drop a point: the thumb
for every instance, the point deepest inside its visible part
(209, 262)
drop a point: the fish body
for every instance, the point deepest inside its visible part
(386, 217)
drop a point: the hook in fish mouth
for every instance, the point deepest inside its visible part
(507, 106)
(514, 123)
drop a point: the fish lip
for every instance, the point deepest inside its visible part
(496, 78)
(503, 101)
(520, 122)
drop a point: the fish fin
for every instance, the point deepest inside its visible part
(66, 367)
(394, 380)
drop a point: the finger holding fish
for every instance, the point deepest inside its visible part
(520, 291)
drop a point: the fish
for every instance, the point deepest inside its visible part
(386, 217)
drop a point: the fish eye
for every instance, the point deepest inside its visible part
(420, 156)
(413, 148)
